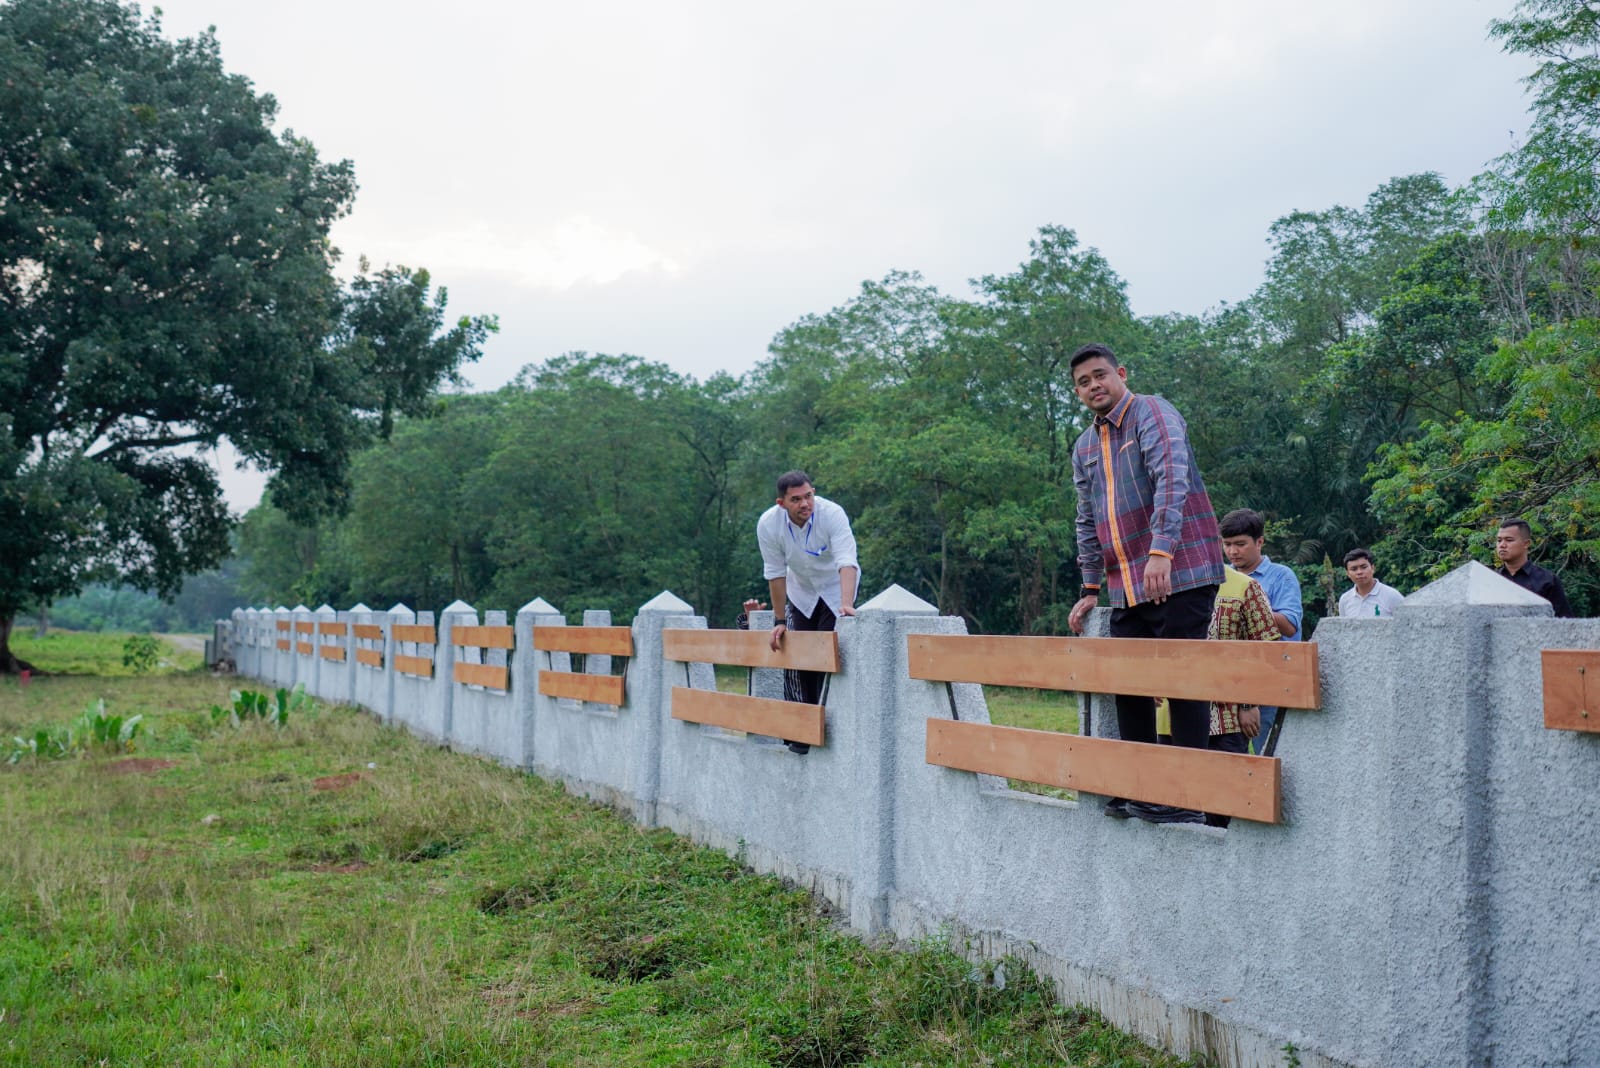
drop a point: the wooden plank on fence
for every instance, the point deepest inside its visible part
(283, 624)
(371, 632)
(600, 641)
(1266, 673)
(482, 637)
(333, 630)
(1571, 689)
(789, 720)
(331, 652)
(801, 651)
(303, 648)
(419, 666)
(283, 644)
(305, 626)
(601, 689)
(494, 676)
(414, 632)
(369, 657)
(1227, 784)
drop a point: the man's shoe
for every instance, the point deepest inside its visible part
(1164, 813)
(798, 748)
(1117, 808)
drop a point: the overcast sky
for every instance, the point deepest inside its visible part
(680, 181)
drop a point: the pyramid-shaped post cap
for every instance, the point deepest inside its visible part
(899, 600)
(458, 608)
(299, 608)
(280, 608)
(539, 607)
(325, 607)
(400, 609)
(667, 601)
(360, 607)
(1475, 585)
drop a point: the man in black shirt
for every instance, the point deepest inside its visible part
(1511, 545)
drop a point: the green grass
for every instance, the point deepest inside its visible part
(68, 652)
(334, 893)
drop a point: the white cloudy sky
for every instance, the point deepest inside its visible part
(682, 180)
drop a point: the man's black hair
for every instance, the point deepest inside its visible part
(1357, 554)
(1520, 524)
(1089, 352)
(790, 479)
(1242, 521)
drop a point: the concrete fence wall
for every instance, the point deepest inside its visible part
(1427, 900)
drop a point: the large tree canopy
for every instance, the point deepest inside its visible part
(166, 283)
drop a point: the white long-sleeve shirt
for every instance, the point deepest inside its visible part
(808, 558)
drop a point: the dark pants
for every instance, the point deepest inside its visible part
(1183, 615)
(806, 686)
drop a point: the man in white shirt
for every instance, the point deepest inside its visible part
(808, 557)
(1369, 599)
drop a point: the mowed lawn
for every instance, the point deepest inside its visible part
(334, 893)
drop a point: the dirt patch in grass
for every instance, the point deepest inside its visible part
(342, 869)
(337, 782)
(139, 766)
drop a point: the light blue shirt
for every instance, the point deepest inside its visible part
(1283, 592)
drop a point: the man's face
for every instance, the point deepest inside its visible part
(1099, 385)
(1243, 551)
(1511, 547)
(798, 501)
(1360, 572)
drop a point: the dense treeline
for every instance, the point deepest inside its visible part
(1411, 369)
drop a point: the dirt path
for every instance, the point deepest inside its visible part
(193, 643)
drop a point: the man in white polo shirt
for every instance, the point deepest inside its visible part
(808, 557)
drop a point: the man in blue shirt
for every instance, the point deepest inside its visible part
(1243, 534)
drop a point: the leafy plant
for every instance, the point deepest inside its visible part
(249, 704)
(92, 730)
(142, 653)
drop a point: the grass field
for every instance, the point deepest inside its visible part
(333, 893)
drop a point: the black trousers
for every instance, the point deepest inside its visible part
(806, 686)
(1183, 615)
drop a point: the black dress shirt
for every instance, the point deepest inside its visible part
(1543, 581)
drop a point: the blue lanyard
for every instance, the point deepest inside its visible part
(805, 547)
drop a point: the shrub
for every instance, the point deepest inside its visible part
(142, 653)
(92, 730)
(248, 705)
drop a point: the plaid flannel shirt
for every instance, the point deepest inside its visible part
(1242, 613)
(1140, 494)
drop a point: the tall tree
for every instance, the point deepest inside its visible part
(165, 283)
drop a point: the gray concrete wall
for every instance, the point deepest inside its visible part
(1425, 900)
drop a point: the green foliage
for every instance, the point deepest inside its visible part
(142, 653)
(168, 283)
(94, 731)
(275, 708)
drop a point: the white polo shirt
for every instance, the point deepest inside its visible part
(1379, 603)
(808, 558)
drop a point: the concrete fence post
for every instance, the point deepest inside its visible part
(1439, 791)
(873, 651)
(648, 696)
(525, 665)
(455, 614)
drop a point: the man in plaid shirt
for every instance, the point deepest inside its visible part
(1147, 531)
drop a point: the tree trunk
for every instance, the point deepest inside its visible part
(9, 664)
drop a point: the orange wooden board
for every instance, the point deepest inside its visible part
(482, 637)
(414, 632)
(601, 689)
(1571, 689)
(333, 630)
(372, 632)
(493, 676)
(420, 666)
(1227, 784)
(789, 720)
(369, 657)
(601, 641)
(303, 648)
(283, 624)
(305, 626)
(331, 652)
(1265, 673)
(801, 650)
(283, 643)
